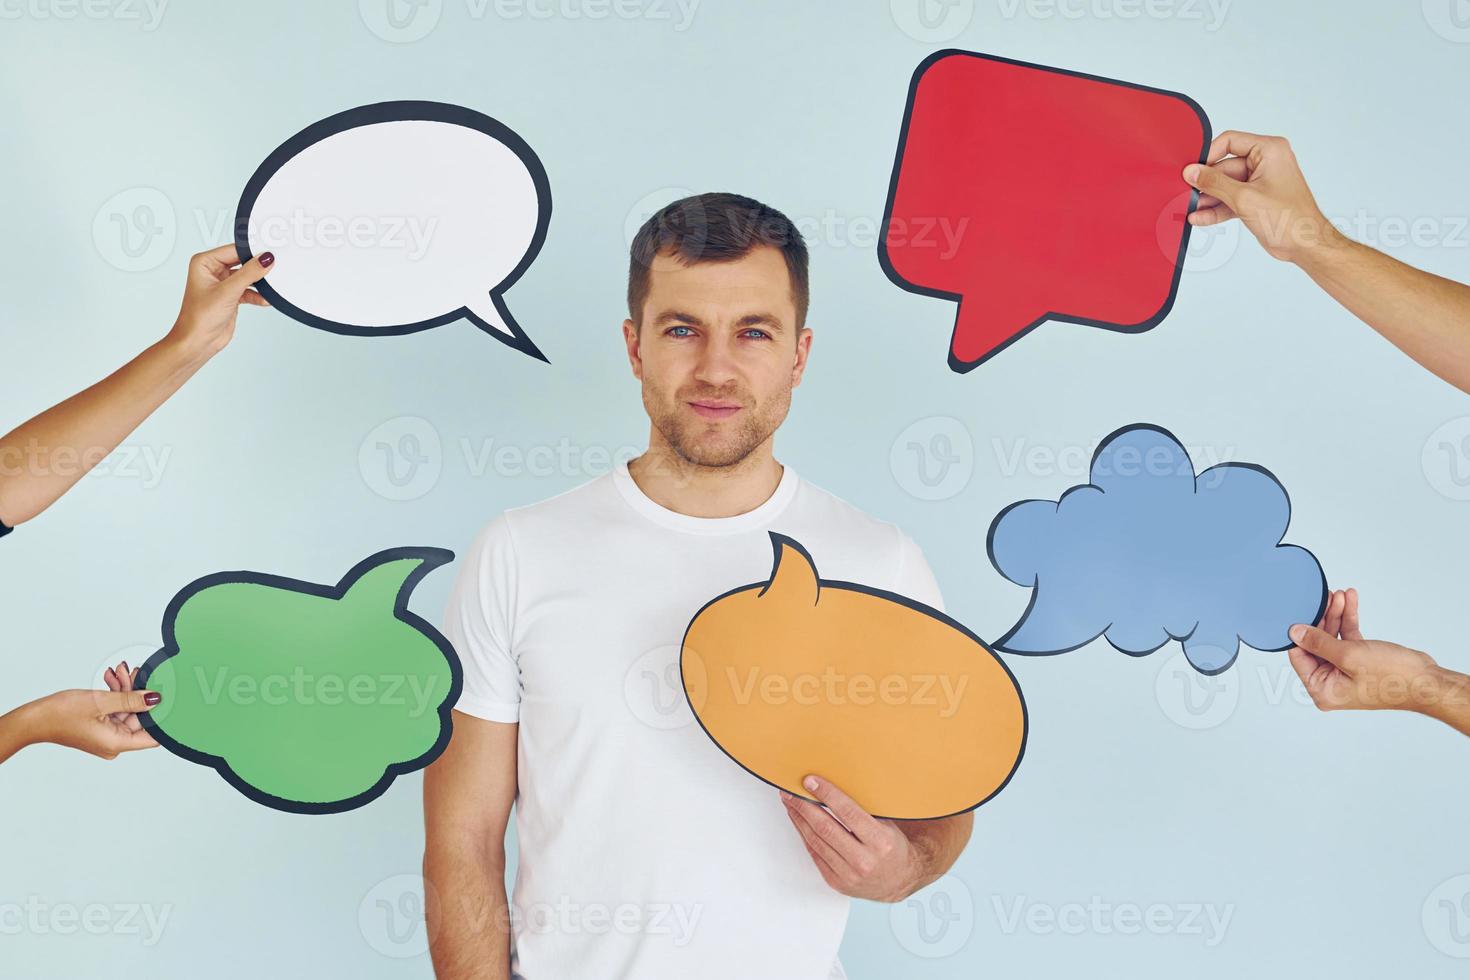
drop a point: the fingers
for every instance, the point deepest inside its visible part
(1350, 627)
(1332, 613)
(824, 854)
(1237, 142)
(128, 680)
(1214, 182)
(134, 741)
(251, 298)
(847, 851)
(250, 273)
(857, 820)
(214, 264)
(1206, 216)
(227, 254)
(118, 679)
(109, 702)
(1304, 664)
(1320, 644)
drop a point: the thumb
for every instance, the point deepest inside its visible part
(131, 702)
(249, 274)
(1213, 181)
(1319, 643)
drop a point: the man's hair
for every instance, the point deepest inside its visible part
(716, 227)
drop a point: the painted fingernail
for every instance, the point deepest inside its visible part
(810, 783)
(266, 258)
(152, 698)
(125, 667)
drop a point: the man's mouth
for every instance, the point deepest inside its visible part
(712, 409)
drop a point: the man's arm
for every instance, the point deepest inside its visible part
(1341, 670)
(468, 793)
(43, 458)
(1257, 179)
(864, 857)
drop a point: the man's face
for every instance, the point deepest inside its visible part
(718, 353)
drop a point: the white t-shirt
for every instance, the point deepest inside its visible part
(645, 852)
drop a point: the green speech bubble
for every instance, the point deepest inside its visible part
(306, 698)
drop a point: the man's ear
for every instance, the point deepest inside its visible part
(635, 357)
(803, 348)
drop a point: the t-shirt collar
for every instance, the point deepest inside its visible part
(750, 520)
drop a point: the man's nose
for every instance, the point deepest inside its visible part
(716, 365)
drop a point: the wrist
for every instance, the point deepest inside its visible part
(1447, 695)
(183, 351)
(1317, 244)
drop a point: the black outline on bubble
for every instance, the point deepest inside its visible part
(401, 111)
(1107, 440)
(964, 367)
(777, 542)
(429, 559)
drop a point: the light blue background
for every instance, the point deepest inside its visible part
(1323, 836)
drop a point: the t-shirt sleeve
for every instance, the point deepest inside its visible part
(915, 580)
(479, 624)
(4, 529)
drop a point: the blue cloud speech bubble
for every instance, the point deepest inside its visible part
(1148, 552)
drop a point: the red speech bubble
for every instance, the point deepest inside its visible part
(1028, 193)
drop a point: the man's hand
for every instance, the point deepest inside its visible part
(860, 856)
(1342, 670)
(1257, 179)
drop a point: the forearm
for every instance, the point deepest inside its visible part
(41, 459)
(1424, 315)
(1450, 702)
(468, 916)
(937, 844)
(17, 730)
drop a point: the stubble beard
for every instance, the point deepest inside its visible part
(691, 438)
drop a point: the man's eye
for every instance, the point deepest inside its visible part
(672, 329)
(760, 334)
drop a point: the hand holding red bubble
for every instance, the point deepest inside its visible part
(1051, 187)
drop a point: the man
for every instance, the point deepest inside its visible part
(643, 851)
(1257, 179)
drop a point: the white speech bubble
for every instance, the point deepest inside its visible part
(396, 217)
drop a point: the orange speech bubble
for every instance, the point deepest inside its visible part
(901, 707)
